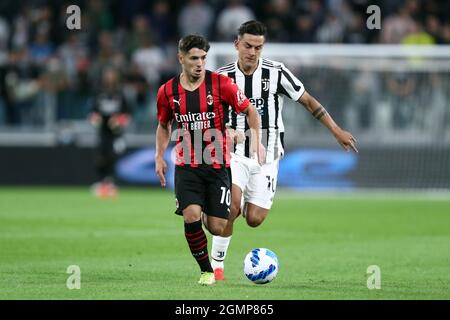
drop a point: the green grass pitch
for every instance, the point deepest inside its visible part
(133, 247)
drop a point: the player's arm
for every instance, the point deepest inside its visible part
(239, 137)
(162, 141)
(235, 135)
(240, 103)
(344, 138)
(165, 118)
(254, 123)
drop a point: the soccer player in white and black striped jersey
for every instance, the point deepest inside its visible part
(266, 83)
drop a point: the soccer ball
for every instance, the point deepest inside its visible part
(261, 265)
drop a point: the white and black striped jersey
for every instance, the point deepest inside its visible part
(266, 89)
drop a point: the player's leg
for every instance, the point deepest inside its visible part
(102, 165)
(197, 241)
(214, 225)
(261, 191)
(110, 160)
(221, 242)
(255, 215)
(116, 148)
(240, 175)
(235, 209)
(190, 196)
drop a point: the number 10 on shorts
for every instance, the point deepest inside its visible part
(226, 196)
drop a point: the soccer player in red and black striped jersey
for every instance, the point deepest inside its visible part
(197, 100)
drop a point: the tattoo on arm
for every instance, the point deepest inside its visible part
(319, 112)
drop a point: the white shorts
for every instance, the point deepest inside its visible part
(258, 183)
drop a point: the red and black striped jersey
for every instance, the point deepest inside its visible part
(201, 116)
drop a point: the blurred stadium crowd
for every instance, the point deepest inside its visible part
(39, 55)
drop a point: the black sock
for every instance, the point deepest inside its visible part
(198, 243)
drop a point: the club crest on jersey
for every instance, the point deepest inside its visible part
(265, 84)
(209, 99)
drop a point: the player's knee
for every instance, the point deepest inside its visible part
(216, 229)
(254, 221)
(190, 216)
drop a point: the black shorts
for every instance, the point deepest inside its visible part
(208, 187)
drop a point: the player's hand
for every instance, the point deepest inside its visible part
(235, 135)
(161, 169)
(262, 154)
(258, 153)
(239, 137)
(95, 119)
(346, 140)
(118, 121)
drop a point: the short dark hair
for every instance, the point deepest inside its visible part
(193, 41)
(252, 27)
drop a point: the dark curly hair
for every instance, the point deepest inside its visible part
(193, 41)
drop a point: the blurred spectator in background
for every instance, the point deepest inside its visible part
(356, 31)
(136, 91)
(103, 56)
(331, 31)
(150, 60)
(433, 27)
(54, 81)
(401, 87)
(230, 18)
(124, 11)
(20, 29)
(100, 16)
(140, 29)
(72, 100)
(304, 29)
(418, 36)
(446, 34)
(196, 18)
(281, 20)
(4, 38)
(314, 9)
(399, 25)
(110, 114)
(42, 48)
(161, 21)
(71, 52)
(137, 38)
(21, 85)
(435, 114)
(364, 88)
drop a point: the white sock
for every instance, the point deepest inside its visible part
(219, 251)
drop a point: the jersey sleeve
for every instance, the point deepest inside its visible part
(289, 85)
(164, 111)
(232, 95)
